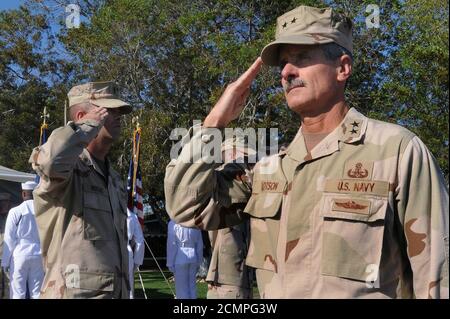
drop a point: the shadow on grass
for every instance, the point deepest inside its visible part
(151, 294)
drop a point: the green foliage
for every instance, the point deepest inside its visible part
(417, 87)
(25, 65)
(173, 60)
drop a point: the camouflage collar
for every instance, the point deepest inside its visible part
(353, 127)
(87, 159)
(350, 130)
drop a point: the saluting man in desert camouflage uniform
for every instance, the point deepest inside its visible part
(228, 275)
(81, 202)
(353, 208)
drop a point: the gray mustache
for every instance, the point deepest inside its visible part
(293, 83)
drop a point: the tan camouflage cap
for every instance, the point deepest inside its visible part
(102, 94)
(308, 25)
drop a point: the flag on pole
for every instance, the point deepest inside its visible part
(134, 182)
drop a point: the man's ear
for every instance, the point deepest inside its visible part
(79, 114)
(344, 69)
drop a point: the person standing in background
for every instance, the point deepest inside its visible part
(22, 256)
(184, 255)
(136, 248)
(5, 205)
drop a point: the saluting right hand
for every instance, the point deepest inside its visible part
(231, 102)
(98, 114)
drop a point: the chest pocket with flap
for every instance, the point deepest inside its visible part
(352, 235)
(266, 198)
(97, 216)
(264, 208)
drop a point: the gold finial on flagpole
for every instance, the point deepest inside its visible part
(135, 121)
(45, 115)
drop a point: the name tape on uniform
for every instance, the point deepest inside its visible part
(348, 186)
(272, 186)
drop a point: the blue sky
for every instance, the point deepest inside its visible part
(10, 4)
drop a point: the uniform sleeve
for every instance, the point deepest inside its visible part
(199, 193)
(139, 240)
(55, 159)
(10, 238)
(54, 162)
(422, 197)
(171, 246)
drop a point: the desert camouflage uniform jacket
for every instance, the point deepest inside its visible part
(227, 265)
(363, 215)
(81, 216)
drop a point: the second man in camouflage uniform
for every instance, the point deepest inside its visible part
(228, 275)
(81, 202)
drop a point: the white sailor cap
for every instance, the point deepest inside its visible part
(28, 186)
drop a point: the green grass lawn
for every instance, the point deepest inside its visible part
(157, 288)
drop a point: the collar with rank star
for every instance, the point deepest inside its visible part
(351, 130)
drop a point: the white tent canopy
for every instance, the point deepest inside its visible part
(15, 176)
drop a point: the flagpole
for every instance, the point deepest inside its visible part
(42, 135)
(142, 282)
(135, 161)
(65, 112)
(44, 126)
(165, 278)
(135, 155)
